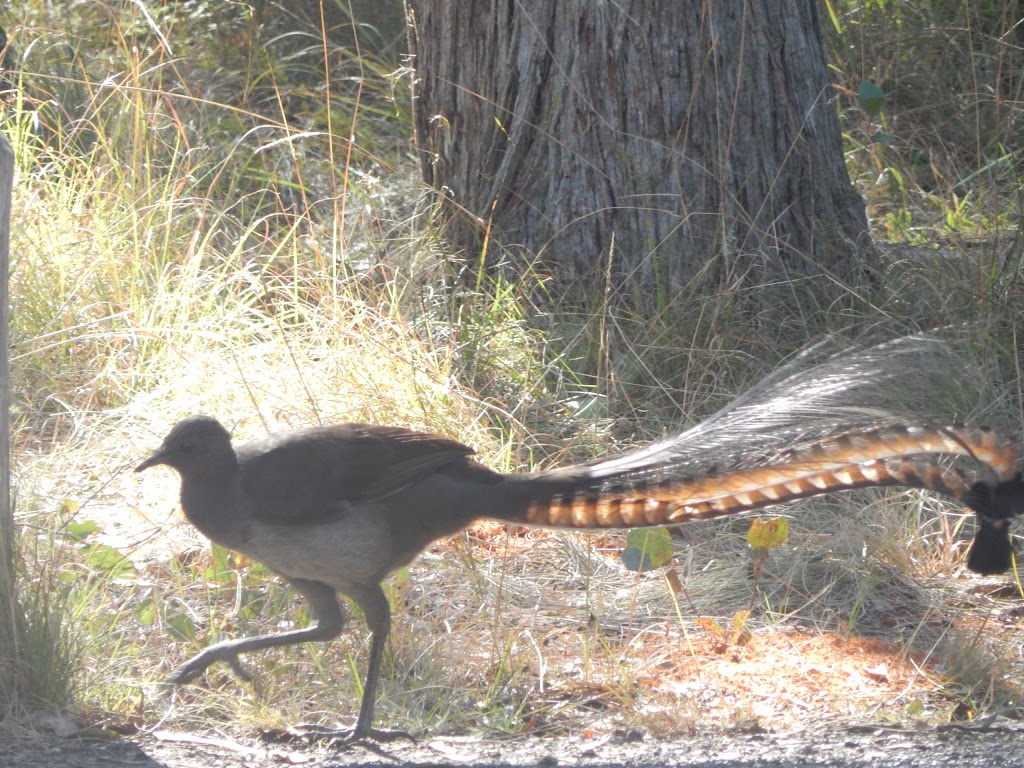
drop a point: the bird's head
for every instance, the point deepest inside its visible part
(194, 445)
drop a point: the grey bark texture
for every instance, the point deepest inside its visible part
(670, 147)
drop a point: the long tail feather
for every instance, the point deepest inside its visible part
(817, 426)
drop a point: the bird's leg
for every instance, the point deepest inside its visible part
(375, 609)
(364, 724)
(329, 621)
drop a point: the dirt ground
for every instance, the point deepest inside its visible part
(983, 745)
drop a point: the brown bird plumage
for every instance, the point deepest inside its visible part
(336, 509)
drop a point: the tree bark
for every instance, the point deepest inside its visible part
(655, 148)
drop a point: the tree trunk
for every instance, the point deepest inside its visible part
(657, 149)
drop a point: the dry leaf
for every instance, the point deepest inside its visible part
(879, 673)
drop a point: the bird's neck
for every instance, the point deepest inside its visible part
(214, 504)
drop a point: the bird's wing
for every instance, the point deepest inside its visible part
(312, 475)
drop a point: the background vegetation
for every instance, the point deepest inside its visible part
(217, 210)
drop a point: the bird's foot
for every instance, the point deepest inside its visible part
(194, 667)
(336, 739)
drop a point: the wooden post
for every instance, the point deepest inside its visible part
(9, 651)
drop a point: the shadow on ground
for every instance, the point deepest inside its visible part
(967, 746)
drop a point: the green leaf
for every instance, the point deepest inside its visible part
(145, 612)
(915, 708)
(647, 549)
(882, 138)
(833, 17)
(68, 507)
(768, 534)
(80, 531)
(872, 98)
(107, 559)
(223, 569)
(180, 627)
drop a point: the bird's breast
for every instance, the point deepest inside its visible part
(218, 511)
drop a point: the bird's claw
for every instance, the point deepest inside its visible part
(336, 739)
(192, 669)
(183, 675)
(371, 735)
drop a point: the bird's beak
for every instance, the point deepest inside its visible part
(152, 461)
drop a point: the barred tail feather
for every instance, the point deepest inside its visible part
(804, 431)
(672, 505)
(664, 495)
(983, 444)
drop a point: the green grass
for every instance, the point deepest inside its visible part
(219, 228)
